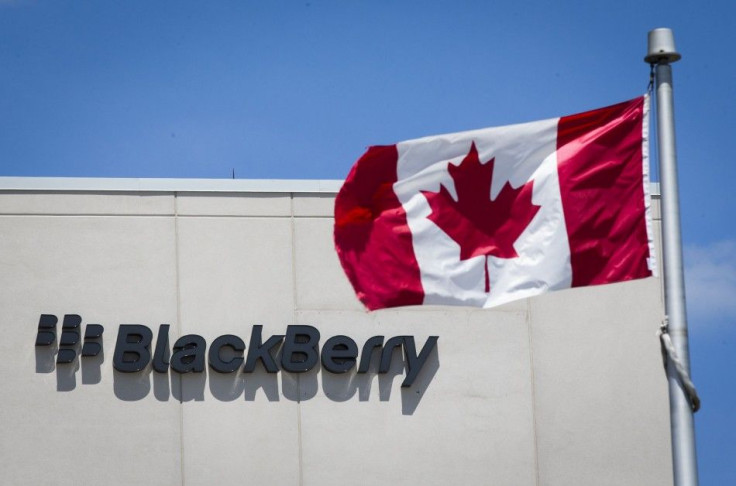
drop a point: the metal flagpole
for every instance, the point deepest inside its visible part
(661, 52)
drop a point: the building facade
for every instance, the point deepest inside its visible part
(562, 389)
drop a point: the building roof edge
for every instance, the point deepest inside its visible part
(96, 184)
(93, 184)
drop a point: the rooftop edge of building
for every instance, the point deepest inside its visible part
(111, 184)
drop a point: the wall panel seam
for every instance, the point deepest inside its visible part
(533, 391)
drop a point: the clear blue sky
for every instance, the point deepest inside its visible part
(277, 89)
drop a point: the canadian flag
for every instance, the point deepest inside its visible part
(488, 216)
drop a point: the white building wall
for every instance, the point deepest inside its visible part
(563, 389)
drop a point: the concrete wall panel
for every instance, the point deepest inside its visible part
(466, 419)
(117, 203)
(233, 204)
(65, 424)
(322, 205)
(235, 273)
(320, 281)
(599, 386)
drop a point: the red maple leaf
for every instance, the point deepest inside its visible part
(481, 226)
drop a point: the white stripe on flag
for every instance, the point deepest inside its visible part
(522, 153)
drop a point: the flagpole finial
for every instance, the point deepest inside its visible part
(661, 47)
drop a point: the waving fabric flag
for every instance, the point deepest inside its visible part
(488, 216)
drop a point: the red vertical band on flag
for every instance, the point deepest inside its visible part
(372, 236)
(599, 156)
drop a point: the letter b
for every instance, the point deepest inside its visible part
(300, 349)
(132, 350)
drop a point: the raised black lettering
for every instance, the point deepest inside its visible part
(46, 330)
(388, 351)
(300, 349)
(69, 339)
(415, 363)
(215, 359)
(162, 352)
(92, 340)
(338, 354)
(262, 351)
(365, 357)
(132, 352)
(188, 356)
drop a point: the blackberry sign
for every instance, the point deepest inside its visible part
(296, 351)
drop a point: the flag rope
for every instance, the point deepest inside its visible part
(668, 352)
(650, 86)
